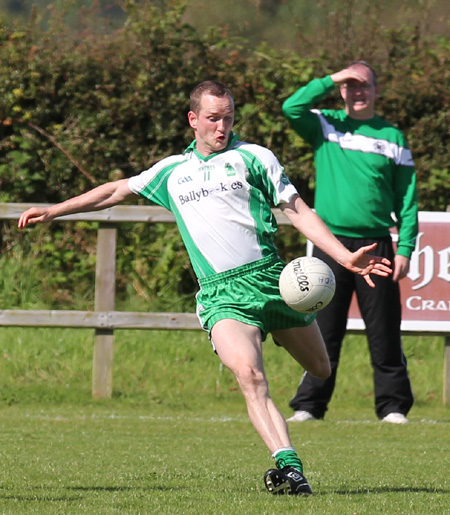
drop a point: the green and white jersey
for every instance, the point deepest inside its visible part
(364, 169)
(221, 203)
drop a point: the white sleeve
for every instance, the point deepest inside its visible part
(283, 190)
(138, 183)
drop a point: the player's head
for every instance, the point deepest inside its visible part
(360, 96)
(208, 87)
(211, 116)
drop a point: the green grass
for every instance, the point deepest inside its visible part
(175, 437)
(117, 459)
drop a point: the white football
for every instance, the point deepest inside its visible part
(307, 284)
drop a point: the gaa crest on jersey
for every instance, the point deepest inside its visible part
(229, 170)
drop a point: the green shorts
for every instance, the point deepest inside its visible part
(251, 295)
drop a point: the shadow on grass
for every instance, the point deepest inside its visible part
(47, 497)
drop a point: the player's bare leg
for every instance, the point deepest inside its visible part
(239, 347)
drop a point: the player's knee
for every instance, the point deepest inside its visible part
(251, 380)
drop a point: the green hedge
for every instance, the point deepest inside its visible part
(81, 107)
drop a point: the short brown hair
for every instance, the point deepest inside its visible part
(210, 87)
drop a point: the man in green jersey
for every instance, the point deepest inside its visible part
(365, 184)
(220, 191)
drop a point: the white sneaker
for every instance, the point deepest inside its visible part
(395, 418)
(301, 416)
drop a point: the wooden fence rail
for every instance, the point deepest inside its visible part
(104, 319)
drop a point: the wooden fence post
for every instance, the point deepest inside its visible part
(105, 291)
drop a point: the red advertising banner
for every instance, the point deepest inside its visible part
(425, 292)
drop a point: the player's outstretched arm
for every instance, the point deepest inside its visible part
(102, 197)
(314, 228)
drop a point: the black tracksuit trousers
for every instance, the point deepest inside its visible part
(381, 310)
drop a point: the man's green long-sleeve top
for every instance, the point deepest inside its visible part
(364, 169)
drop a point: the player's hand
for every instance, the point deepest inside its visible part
(34, 215)
(364, 264)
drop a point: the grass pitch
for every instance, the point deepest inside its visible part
(175, 438)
